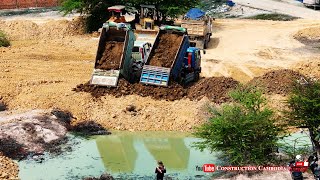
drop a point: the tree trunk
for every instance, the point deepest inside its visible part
(316, 144)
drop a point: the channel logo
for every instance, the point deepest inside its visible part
(208, 168)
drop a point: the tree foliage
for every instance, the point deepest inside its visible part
(4, 42)
(244, 131)
(304, 103)
(97, 13)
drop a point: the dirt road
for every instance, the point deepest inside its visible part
(40, 71)
(243, 49)
(281, 7)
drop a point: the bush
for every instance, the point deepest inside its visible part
(244, 131)
(273, 17)
(4, 42)
(304, 104)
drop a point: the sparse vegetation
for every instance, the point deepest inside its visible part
(273, 17)
(4, 42)
(244, 131)
(304, 103)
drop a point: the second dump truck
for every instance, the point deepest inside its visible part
(199, 27)
(180, 62)
(114, 55)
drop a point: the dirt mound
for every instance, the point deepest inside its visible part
(173, 92)
(111, 56)
(308, 35)
(28, 30)
(215, 88)
(9, 169)
(90, 128)
(309, 68)
(166, 50)
(277, 82)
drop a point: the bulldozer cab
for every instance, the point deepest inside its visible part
(117, 14)
(147, 16)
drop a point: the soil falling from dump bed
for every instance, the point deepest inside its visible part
(166, 50)
(215, 88)
(111, 56)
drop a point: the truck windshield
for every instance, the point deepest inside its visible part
(135, 49)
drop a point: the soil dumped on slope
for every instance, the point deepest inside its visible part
(166, 51)
(111, 56)
(277, 82)
(215, 88)
(173, 92)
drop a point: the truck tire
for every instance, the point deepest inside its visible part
(196, 76)
(205, 45)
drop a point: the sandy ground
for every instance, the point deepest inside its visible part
(243, 49)
(39, 72)
(283, 7)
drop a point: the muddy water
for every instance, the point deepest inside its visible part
(124, 155)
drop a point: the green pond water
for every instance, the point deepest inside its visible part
(124, 155)
(127, 155)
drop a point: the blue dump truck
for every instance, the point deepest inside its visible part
(172, 59)
(114, 55)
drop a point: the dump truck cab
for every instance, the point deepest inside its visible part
(141, 51)
(117, 14)
(191, 66)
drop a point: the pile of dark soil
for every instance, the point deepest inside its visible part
(215, 88)
(3, 106)
(90, 128)
(111, 56)
(11, 148)
(277, 82)
(173, 92)
(105, 176)
(166, 50)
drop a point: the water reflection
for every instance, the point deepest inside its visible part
(120, 152)
(172, 151)
(117, 153)
(123, 154)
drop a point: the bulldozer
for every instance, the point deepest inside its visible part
(148, 16)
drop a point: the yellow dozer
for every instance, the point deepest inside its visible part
(148, 16)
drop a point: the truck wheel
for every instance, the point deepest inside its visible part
(205, 44)
(196, 76)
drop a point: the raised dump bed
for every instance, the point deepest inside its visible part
(166, 58)
(114, 54)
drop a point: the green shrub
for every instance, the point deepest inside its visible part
(244, 131)
(4, 42)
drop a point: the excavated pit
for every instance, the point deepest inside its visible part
(215, 88)
(166, 50)
(111, 56)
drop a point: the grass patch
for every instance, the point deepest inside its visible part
(4, 42)
(273, 17)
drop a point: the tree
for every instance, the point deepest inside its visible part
(97, 13)
(304, 104)
(244, 131)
